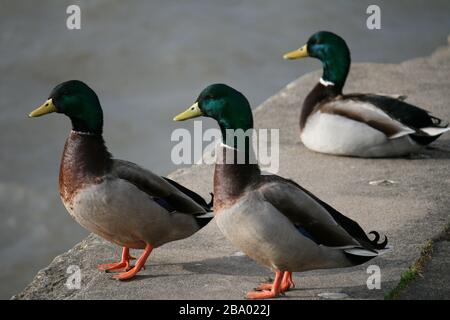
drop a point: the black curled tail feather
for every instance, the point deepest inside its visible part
(372, 245)
(438, 122)
(375, 242)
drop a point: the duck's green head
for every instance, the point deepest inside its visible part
(77, 101)
(332, 50)
(224, 104)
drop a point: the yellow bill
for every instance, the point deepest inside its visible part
(192, 112)
(297, 54)
(47, 107)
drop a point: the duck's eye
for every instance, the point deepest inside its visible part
(315, 41)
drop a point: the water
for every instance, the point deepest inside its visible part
(147, 60)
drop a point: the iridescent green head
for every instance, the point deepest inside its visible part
(227, 106)
(332, 50)
(77, 101)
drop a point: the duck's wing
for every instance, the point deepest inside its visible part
(167, 193)
(194, 196)
(392, 116)
(314, 218)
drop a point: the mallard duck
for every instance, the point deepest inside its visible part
(273, 220)
(116, 199)
(360, 125)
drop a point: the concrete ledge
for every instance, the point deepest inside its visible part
(433, 279)
(207, 266)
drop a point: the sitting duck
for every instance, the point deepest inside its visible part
(360, 125)
(116, 199)
(273, 220)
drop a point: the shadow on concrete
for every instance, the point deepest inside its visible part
(233, 266)
(436, 151)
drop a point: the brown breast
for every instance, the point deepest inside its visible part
(85, 161)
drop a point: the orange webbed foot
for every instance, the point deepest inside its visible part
(118, 266)
(127, 275)
(262, 295)
(139, 265)
(264, 287)
(275, 289)
(286, 284)
(123, 265)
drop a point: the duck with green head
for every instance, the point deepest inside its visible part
(116, 199)
(360, 125)
(272, 219)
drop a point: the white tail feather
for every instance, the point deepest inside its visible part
(208, 215)
(401, 133)
(367, 253)
(431, 131)
(361, 252)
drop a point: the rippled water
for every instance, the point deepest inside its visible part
(147, 60)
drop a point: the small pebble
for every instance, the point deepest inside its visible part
(384, 182)
(333, 295)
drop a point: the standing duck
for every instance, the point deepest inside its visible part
(116, 199)
(359, 125)
(272, 219)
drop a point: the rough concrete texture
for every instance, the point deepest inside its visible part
(207, 266)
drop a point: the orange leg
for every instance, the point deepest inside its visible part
(124, 263)
(286, 283)
(267, 294)
(139, 265)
